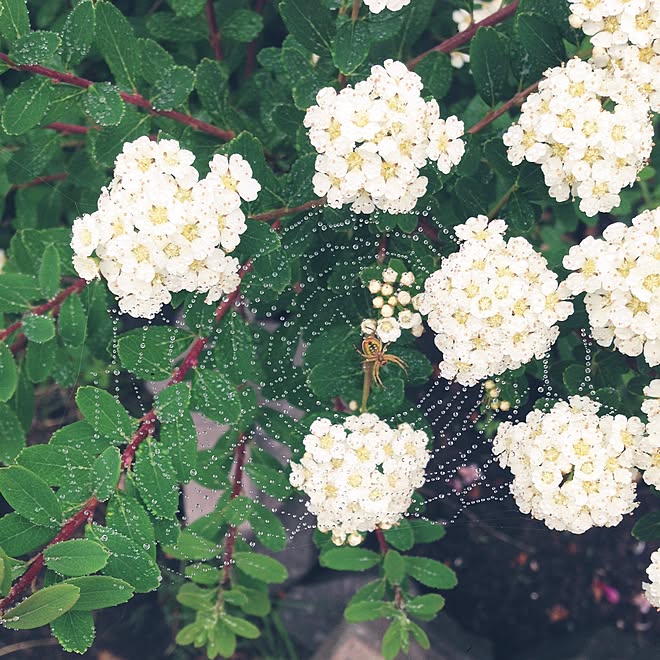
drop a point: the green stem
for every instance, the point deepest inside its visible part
(366, 385)
(502, 202)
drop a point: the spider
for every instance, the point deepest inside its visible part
(374, 353)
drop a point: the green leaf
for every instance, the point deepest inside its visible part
(173, 87)
(50, 272)
(368, 611)
(489, 65)
(271, 481)
(78, 32)
(57, 466)
(573, 378)
(35, 48)
(103, 104)
(72, 322)
(105, 145)
(211, 83)
(116, 41)
(17, 291)
(5, 573)
(241, 627)
(154, 58)
(371, 592)
(30, 496)
(436, 72)
(195, 597)
(39, 329)
(312, 24)
(203, 574)
(386, 401)
(234, 349)
(187, 8)
(105, 473)
(156, 480)
(394, 567)
(193, 547)
(393, 639)
(541, 42)
(351, 46)
(99, 591)
(14, 19)
(12, 436)
(267, 527)
(260, 567)
(420, 636)
(39, 361)
(426, 531)
(349, 559)
(520, 214)
(430, 572)
(647, 528)
(149, 352)
(215, 397)
(243, 26)
(165, 26)
(42, 607)
(172, 402)
(8, 373)
(426, 605)
(128, 516)
(20, 536)
(179, 438)
(76, 557)
(127, 560)
(400, 536)
(26, 105)
(104, 413)
(74, 631)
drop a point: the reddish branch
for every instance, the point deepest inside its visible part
(68, 129)
(69, 528)
(458, 40)
(134, 99)
(39, 180)
(214, 33)
(516, 100)
(251, 53)
(279, 213)
(240, 452)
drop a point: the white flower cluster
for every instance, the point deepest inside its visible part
(373, 138)
(393, 303)
(649, 455)
(578, 127)
(159, 229)
(493, 304)
(571, 468)
(376, 6)
(464, 19)
(620, 274)
(360, 475)
(652, 589)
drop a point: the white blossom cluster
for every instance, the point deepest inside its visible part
(620, 274)
(578, 127)
(372, 140)
(649, 455)
(360, 475)
(393, 302)
(376, 6)
(571, 468)
(652, 589)
(494, 304)
(159, 229)
(464, 19)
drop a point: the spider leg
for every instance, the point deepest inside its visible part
(375, 372)
(398, 361)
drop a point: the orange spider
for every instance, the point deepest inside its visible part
(374, 353)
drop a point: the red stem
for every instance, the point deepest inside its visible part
(518, 99)
(236, 485)
(251, 52)
(134, 99)
(382, 543)
(39, 180)
(214, 33)
(382, 251)
(68, 128)
(455, 42)
(69, 528)
(279, 213)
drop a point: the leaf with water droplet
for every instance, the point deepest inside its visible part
(42, 607)
(30, 496)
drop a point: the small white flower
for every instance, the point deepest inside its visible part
(390, 275)
(407, 279)
(388, 330)
(374, 286)
(368, 327)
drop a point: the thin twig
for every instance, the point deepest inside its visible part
(356, 10)
(251, 52)
(516, 100)
(214, 32)
(49, 178)
(28, 644)
(279, 213)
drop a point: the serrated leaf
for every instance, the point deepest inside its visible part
(149, 352)
(57, 466)
(12, 436)
(50, 272)
(39, 329)
(193, 547)
(241, 627)
(14, 20)
(26, 105)
(312, 24)
(215, 397)
(76, 557)
(105, 473)
(426, 605)
(74, 631)
(436, 72)
(103, 412)
(99, 591)
(489, 65)
(372, 592)
(647, 528)
(172, 402)
(260, 567)
(20, 536)
(103, 104)
(267, 527)
(271, 481)
(234, 349)
(128, 516)
(368, 611)
(211, 83)
(541, 42)
(394, 567)
(427, 531)
(72, 322)
(42, 607)
(8, 373)
(349, 559)
(173, 87)
(187, 8)
(156, 480)
(30, 496)
(78, 32)
(116, 41)
(430, 572)
(179, 437)
(35, 47)
(243, 26)
(351, 46)
(39, 360)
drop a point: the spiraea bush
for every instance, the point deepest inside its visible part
(266, 207)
